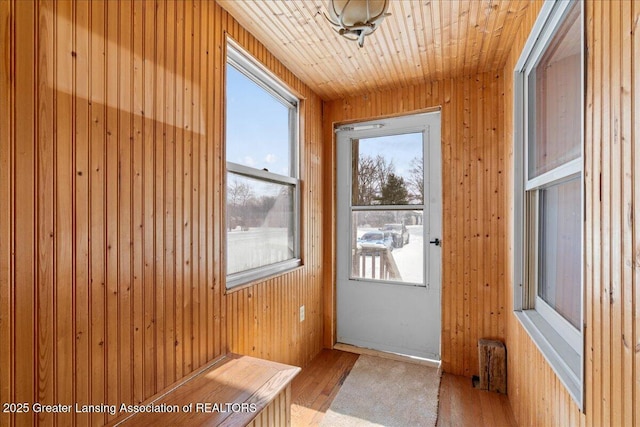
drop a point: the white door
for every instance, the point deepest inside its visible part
(389, 210)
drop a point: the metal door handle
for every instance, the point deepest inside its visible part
(436, 242)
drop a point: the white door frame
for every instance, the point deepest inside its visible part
(394, 299)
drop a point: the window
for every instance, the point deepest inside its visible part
(549, 189)
(262, 220)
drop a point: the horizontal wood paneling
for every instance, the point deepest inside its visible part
(111, 244)
(612, 377)
(474, 208)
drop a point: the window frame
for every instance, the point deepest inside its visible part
(560, 343)
(247, 65)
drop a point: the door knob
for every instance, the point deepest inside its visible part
(436, 242)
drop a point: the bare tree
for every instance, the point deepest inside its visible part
(239, 193)
(415, 180)
(372, 174)
(383, 171)
(366, 178)
(239, 196)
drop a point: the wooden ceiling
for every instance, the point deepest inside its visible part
(421, 41)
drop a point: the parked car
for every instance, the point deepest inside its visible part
(399, 232)
(376, 239)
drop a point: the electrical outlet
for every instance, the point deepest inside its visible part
(302, 313)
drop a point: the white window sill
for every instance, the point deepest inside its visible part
(564, 360)
(236, 280)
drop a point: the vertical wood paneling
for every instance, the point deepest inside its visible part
(80, 185)
(159, 234)
(472, 295)
(179, 191)
(263, 319)
(63, 225)
(627, 71)
(125, 196)
(7, 174)
(111, 232)
(114, 198)
(168, 117)
(136, 205)
(277, 413)
(187, 176)
(592, 178)
(151, 284)
(635, 209)
(45, 166)
(96, 196)
(612, 346)
(111, 205)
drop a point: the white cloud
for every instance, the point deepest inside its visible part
(271, 158)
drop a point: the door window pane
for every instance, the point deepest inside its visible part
(387, 170)
(555, 89)
(260, 222)
(388, 245)
(560, 248)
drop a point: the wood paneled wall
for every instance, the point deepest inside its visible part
(263, 320)
(612, 236)
(111, 186)
(474, 204)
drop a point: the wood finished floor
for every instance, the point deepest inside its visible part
(313, 390)
(462, 405)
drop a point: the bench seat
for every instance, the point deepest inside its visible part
(235, 391)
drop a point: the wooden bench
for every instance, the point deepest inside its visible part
(235, 391)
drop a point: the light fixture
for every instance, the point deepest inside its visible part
(355, 19)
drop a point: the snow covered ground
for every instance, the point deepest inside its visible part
(261, 246)
(410, 257)
(257, 247)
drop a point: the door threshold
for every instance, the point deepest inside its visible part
(387, 355)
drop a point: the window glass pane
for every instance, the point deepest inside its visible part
(560, 249)
(554, 88)
(258, 132)
(387, 170)
(260, 223)
(388, 245)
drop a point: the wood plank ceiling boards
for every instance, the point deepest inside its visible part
(422, 41)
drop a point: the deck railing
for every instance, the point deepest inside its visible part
(374, 263)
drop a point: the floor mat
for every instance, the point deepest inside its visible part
(385, 392)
